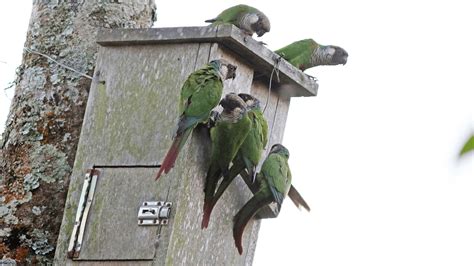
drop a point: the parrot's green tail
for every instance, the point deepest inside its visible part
(242, 218)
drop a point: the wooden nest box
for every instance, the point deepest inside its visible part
(128, 126)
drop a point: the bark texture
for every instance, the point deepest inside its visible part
(39, 143)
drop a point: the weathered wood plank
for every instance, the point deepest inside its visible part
(126, 37)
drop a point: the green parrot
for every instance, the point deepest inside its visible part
(293, 194)
(231, 129)
(247, 18)
(251, 150)
(248, 156)
(307, 53)
(275, 182)
(200, 93)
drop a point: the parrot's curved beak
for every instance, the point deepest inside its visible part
(345, 55)
(231, 71)
(340, 56)
(345, 60)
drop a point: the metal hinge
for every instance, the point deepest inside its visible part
(154, 213)
(85, 202)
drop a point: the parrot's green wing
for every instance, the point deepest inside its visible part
(254, 144)
(233, 14)
(276, 174)
(189, 87)
(298, 53)
(226, 138)
(249, 154)
(201, 92)
(264, 127)
(249, 19)
(195, 80)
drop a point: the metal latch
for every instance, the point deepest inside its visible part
(154, 213)
(85, 202)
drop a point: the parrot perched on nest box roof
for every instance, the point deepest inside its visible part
(307, 53)
(200, 93)
(247, 18)
(231, 129)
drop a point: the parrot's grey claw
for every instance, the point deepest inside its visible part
(212, 119)
(311, 77)
(278, 60)
(262, 43)
(225, 173)
(254, 177)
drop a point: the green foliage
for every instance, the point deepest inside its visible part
(468, 146)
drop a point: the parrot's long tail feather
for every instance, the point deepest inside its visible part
(242, 218)
(212, 178)
(208, 206)
(251, 169)
(297, 199)
(211, 201)
(173, 152)
(253, 185)
(233, 172)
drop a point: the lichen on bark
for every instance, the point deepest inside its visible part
(42, 130)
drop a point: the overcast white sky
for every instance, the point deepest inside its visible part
(375, 152)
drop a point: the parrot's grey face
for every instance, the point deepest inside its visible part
(230, 71)
(262, 26)
(225, 69)
(233, 103)
(255, 22)
(339, 56)
(278, 148)
(251, 101)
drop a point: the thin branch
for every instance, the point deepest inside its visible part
(61, 64)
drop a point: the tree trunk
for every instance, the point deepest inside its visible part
(43, 127)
